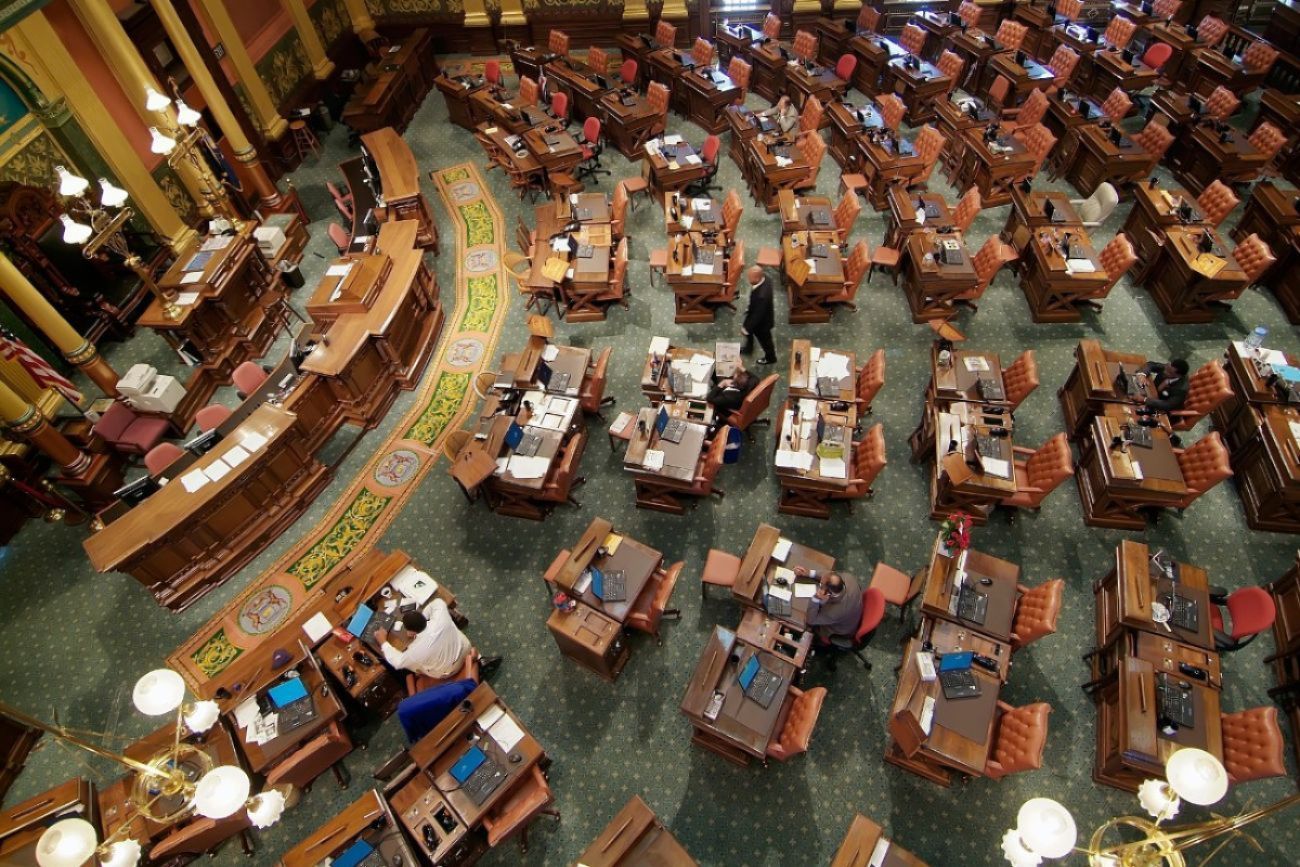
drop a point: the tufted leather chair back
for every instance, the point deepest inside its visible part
(1267, 139)
(1064, 60)
(558, 43)
(1206, 388)
(800, 722)
(1252, 744)
(657, 97)
(514, 812)
(1117, 105)
(913, 39)
(1165, 9)
(772, 26)
(312, 759)
(856, 265)
(1039, 141)
(846, 213)
(711, 462)
(805, 45)
(1047, 468)
(810, 119)
(627, 71)
(1119, 32)
(1034, 109)
(618, 210)
(1259, 57)
(528, 91)
(1211, 30)
(754, 404)
(648, 610)
(559, 485)
(1204, 465)
(732, 208)
(1011, 34)
(868, 18)
(1038, 609)
(967, 209)
(969, 13)
(950, 65)
(1116, 258)
(560, 104)
(735, 265)
(702, 51)
(1019, 740)
(1071, 10)
(869, 455)
(891, 110)
(1217, 201)
(871, 378)
(929, 144)
(988, 259)
(598, 60)
(1155, 140)
(1222, 103)
(1254, 257)
(594, 391)
(813, 148)
(739, 72)
(665, 33)
(1020, 378)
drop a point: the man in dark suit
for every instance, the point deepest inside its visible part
(760, 316)
(727, 396)
(1170, 381)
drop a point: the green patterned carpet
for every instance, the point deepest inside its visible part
(73, 642)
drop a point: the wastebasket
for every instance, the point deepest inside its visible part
(292, 275)
(735, 437)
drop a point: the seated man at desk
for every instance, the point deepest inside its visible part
(784, 115)
(730, 393)
(438, 648)
(836, 608)
(1170, 381)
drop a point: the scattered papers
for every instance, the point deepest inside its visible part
(253, 441)
(187, 299)
(687, 222)
(781, 550)
(994, 467)
(414, 584)
(672, 139)
(701, 366)
(247, 710)
(620, 424)
(235, 456)
(551, 352)
(523, 467)
(194, 480)
(833, 468)
(502, 465)
(560, 245)
(554, 269)
(703, 269)
(878, 854)
(506, 732)
(782, 162)
(263, 729)
(192, 277)
(653, 460)
(217, 470)
(976, 363)
(316, 627)
(339, 270)
(832, 365)
(782, 593)
(659, 346)
(693, 160)
(805, 589)
(490, 716)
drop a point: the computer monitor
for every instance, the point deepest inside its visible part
(661, 420)
(203, 443)
(135, 493)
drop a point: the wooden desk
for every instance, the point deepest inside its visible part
(657, 375)
(1273, 214)
(1154, 211)
(662, 489)
(1054, 288)
(1111, 71)
(865, 836)
(1098, 159)
(521, 370)
(22, 824)
(961, 481)
(735, 40)
(1109, 488)
(768, 58)
(743, 125)
(636, 46)
(802, 83)
(833, 35)
(700, 214)
(873, 52)
(399, 179)
(976, 48)
(946, 636)
(1285, 660)
(1090, 388)
(1209, 68)
(1199, 156)
(993, 171)
(265, 756)
(932, 286)
(773, 162)
(630, 122)
(458, 85)
(847, 122)
(499, 109)
(808, 492)
(708, 92)
(1029, 215)
(1082, 42)
(511, 489)
(600, 547)
(1124, 597)
(1024, 77)
(635, 837)
(553, 147)
(742, 729)
(918, 87)
(759, 628)
(585, 285)
(884, 161)
(809, 286)
(1066, 113)
(960, 379)
(367, 819)
(697, 272)
(585, 89)
(1265, 462)
(1177, 281)
(904, 214)
(758, 572)
(938, 26)
(939, 597)
(393, 87)
(673, 167)
(1176, 37)
(806, 379)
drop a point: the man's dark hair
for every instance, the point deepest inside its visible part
(414, 621)
(1180, 365)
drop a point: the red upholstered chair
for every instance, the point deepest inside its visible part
(1267, 139)
(529, 92)
(325, 752)
(1019, 737)
(665, 33)
(732, 209)
(1062, 63)
(492, 72)
(340, 237)
(929, 145)
(1119, 32)
(810, 119)
(1252, 744)
(1254, 257)
(127, 432)
(702, 51)
(1216, 202)
(592, 397)
(753, 406)
(805, 46)
(558, 43)
(950, 66)
(1070, 10)
(1040, 471)
(913, 39)
(514, 814)
(892, 110)
(771, 26)
(999, 95)
(627, 72)
(1157, 55)
(1222, 103)
(248, 378)
(845, 66)
(735, 267)
(1020, 378)
(1259, 58)
(1252, 610)
(846, 214)
(1206, 389)
(969, 13)
(598, 60)
(898, 588)
(342, 201)
(800, 721)
(651, 607)
(868, 18)
(1203, 465)
(160, 457)
(967, 209)
(1211, 30)
(720, 570)
(1037, 611)
(706, 469)
(560, 106)
(1011, 34)
(739, 72)
(870, 379)
(211, 416)
(987, 261)
(873, 611)
(1117, 105)
(855, 268)
(1155, 140)
(868, 459)
(1117, 257)
(1163, 9)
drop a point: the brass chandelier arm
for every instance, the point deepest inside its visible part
(68, 736)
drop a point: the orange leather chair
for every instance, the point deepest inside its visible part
(929, 145)
(1267, 139)
(325, 752)
(898, 588)
(772, 26)
(1222, 103)
(1216, 202)
(1211, 30)
(1155, 140)
(753, 406)
(891, 110)
(800, 721)
(1039, 141)
(657, 99)
(868, 460)
(1037, 612)
(1039, 472)
(558, 43)
(732, 209)
(810, 119)
(709, 464)
(1254, 257)
(1117, 105)
(513, 816)
(1119, 32)
(846, 214)
(592, 398)
(160, 457)
(1203, 465)
(913, 39)
(969, 13)
(1028, 115)
(200, 835)
(211, 416)
(1019, 737)
(564, 477)
(1206, 388)
(651, 607)
(1162, 9)
(735, 266)
(1117, 257)
(665, 33)
(1070, 10)
(967, 209)
(855, 268)
(1020, 378)
(1252, 745)
(999, 95)
(618, 276)
(720, 570)
(740, 72)
(1011, 34)
(598, 60)
(1259, 58)
(868, 18)
(618, 210)
(805, 46)
(702, 51)
(870, 379)
(987, 261)
(528, 92)
(1063, 62)
(950, 66)
(813, 150)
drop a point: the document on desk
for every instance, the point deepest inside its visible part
(621, 423)
(193, 480)
(706, 270)
(235, 456)
(503, 464)
(522, 467)
(672, 139)
(805, 589)
(992, 467)
(551, 352)
(253, 441)
(659, 346)
(701, 366)
(1079, 266)
(653, 460)
(832, 468)
(976, 363)
(878, 854)
(506, 732)
(687, 221)
(192, 277)
(807, 407)
(781, 593)
(187, 299)
(414, 584)
(793, 460)
(561, 245)
(693, 160)
(781, 550)
(263, 729)
(217, 470)
(782, 162)
(317, 627)
(339, 270)
(832, 365)
(489, 717)
(246, 712)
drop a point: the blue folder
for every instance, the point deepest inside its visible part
(748, 672)
(354, 854)
(357, 625)
(287, 692)
(468, 764)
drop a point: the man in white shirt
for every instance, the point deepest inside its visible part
(437, 648)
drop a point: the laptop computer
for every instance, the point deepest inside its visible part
(956, 677)
(972, 606)
(674, 430)
(296, 714)
(609, 586)
(1174, 703)
(759, 684)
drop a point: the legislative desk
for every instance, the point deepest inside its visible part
(918, 83)
(742, 729)
(1110, 70)
(992, 166)
(744, 124)
(529, 60)
(667, 66)
(769, 59)
(1066, 112)
(847, 121)
(953, 115)
(1054, 286)
(803, 81)
(629, 121)
(968, 376)
(661, 487)
(393, 87)
(635, 837)
(1029, 215)
(1084, 40)
(511, 148)
(22, 824)
(637, 46)
(938, 27)
(1155, 210)
(499, 110)
(1209, 68)
(814, 456)
(735, 40)
(933, 286)
(773, 162)
(515, 483)
(1038, 21)
(1199, 156)
(1283, 111)
(804, 212)
(976, 48)
(367, 824)
(818, 373)
(425, 794)
(865, 837)
(692, 213)
(584, 88)
(1174, 35)
(1091, 386)
(553, 147)
(873, 52)
(696, 285)
(581, 281)
(1285, 659)
(770, 560)
(1025, 77)
(673, 165)
(884, 159)
(808, 287)
(708, 91)
(458, 85)
(1128, 596)
(911, 212)
(676, 372)
(1097, 158)
(1176, 105)
(939, 595)
(262, 756)
(399, 184)
(1117, 486)
(966, 476)
(1273, 213)
(1189, 286)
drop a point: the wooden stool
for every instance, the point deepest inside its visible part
(855, 182)
(768, 257)
(304, 140)
(636, 186)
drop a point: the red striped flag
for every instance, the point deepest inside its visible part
(38, 368)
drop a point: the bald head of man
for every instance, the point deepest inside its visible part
(754, 275)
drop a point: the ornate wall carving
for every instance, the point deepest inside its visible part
(284, 66)
(331, 20)
(417, 8)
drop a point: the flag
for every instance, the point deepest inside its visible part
(38, 368)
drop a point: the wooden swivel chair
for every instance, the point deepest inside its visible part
(800, 722)
(735, 267)
(515, 814)
(1037, 612)
(1019, 738)
(870, 379)
(753, 406)
(721, 569)
(1155, 140)
(651, 607)
(1204, 465)
(1020, 378)
(1117, 105)
(592, 397)
(810, 119)
(732, 209)
(1206, 389)
(929, 145)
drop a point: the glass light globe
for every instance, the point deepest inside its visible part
(1046, 827)
(69, 843)
(202, 716)
(74, 232)
(124, 853)
(1016, 853)
(1158, 799)
(70, 184)
(186, 116)
(1197, 776)
(111, 196)
(155, 101)
(158, 692)
(221, 792)
(267, 808)
(159, 143)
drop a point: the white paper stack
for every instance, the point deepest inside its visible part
(654, 460)
(522, 467)
(976, 363)
(193, 480)
(551, 352)
(833, 365)
(659, 346)
(833, 468)
(414, 584)
(781, 550)
(506, 732)
(996, 467)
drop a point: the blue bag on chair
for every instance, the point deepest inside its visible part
(419, 713)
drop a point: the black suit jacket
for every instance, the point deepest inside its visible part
(1170, 395)
(761, 314)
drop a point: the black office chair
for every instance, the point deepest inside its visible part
(711, 154)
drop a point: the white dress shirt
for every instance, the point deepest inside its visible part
(438, 651)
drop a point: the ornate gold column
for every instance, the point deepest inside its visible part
(359, 12)
(512, 13)
(321, 65)
(479, 25)
(44, 48)
(635, 10)
(807, 7)
(27, 422)
(674, 10)
(264, 111)
(263, 186)
(74, 347)
(848, 5)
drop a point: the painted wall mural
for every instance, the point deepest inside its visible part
(331, 20)
(284, 66)
(448, 8)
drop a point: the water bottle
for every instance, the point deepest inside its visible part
(1256, 338)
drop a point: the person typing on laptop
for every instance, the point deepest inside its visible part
(1170, 381)
(438, 647)
(836, 607)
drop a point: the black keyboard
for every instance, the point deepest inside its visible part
(990, 389)
(560, 382)
(483, 782)
(614, 586)
(1175, 703)
(972, 606)
(296, 714)
(529, 445)
(959, 684)
(674, 430)
(1183, 612)
(988, 446)
(762, 689)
